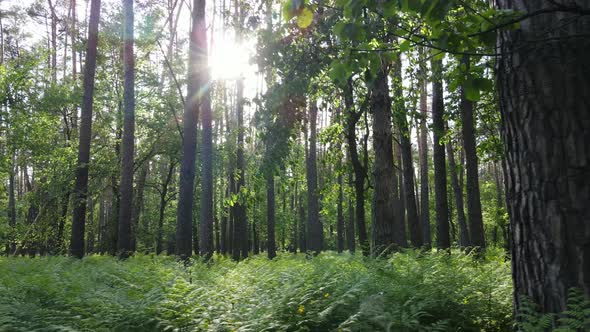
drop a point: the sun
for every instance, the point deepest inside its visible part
(229, 60)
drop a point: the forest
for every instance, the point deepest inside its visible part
(294, 165)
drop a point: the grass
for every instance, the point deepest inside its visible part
(332, 292)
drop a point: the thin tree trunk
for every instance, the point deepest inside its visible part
(128, 142)
(81, 188)
(270, 216)
(458, 193)
(423, 155)
(352, 118)
(407, 167)
(440, 171)
(138, 204)
(314, 235)
(473, 198)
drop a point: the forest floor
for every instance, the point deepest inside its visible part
(332, 292)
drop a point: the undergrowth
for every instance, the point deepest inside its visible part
(332, 292)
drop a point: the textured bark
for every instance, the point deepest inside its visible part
(128, 142)
(352, 119)
(543, 81)
(407, 167)
(271, 248)
(458, 193)
(138, 204)
(184, 218)
(471, 166)
(423, 155)
(314, 231)
(438, 155)
(387, 233)
(81, 187)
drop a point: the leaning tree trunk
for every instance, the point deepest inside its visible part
(440, 168)
(128, 142)
(543, 81)
(81, 188)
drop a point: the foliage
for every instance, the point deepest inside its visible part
(407, 292)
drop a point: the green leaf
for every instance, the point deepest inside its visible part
(483, 84)
(339, 72)
(470, 90)
(305, 18)
(404, 46)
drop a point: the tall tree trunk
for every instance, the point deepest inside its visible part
(407, 168)
(350, 238)
(458, 193)
(473, 198)
(270, 217)
(543, 85)
(314, 231)
(440, 168)
(163, 202)
(81, 188)
(423, 155)
(387, 231)
(340, 221)
(126, 204)
(53, 42)
(12, 207)
(184, 218)
(352, 118)
(207, 144)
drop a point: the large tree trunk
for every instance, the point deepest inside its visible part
(184, 218)
(387, 231)
(314, 228)
(440, 167)
(458, 193)
(471, 166)
(81, 188)
(126, 204)
(423, 155)
(352, 118)
(407, 167)
(543, 81)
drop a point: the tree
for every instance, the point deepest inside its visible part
(207, 143)
(387, 232)
(458, 193)
(184, 218)
(126, 204)
(543, 81)
(473, 197)
(423, 156)
(438, 155)
(314, 228)
(81, 188)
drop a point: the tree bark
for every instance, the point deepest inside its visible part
(543, 80)
(128, 142)
(387, 231)
(81, 188)
(438, 155)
